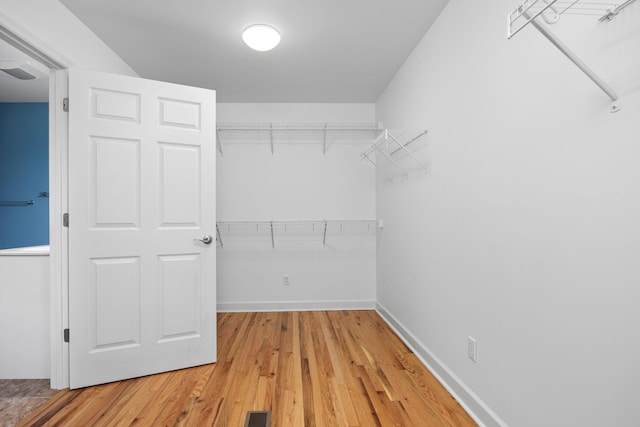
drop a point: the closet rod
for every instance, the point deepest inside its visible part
(574, 58)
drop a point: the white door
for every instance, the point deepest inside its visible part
(142, 287)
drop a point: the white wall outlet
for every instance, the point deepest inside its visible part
(285, 280)
(472, 349)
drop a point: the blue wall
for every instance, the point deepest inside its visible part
(24, 173)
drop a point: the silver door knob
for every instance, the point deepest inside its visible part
(207, 239)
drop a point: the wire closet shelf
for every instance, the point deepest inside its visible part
(384, 152)
(323, 133)
(320, 228)
(551, 10)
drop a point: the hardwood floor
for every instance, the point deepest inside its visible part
(323, 369)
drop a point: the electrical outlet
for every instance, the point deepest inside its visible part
(285, 280)
(472, 349)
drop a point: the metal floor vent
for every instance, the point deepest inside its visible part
(258, 419)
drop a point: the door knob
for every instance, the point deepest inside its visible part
(207, 239)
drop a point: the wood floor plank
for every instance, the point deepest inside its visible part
(53, 406)
(311, 369)
(142, 410)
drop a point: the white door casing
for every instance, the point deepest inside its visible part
(142, 288)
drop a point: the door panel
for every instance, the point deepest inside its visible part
(180, 296)
(142, 295)
(180, 185)
(114, 286)
(116, 198)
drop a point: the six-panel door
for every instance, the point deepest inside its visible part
(142, 295)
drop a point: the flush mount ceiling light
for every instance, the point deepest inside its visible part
(261, 37)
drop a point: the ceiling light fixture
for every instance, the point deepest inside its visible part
(261, 37)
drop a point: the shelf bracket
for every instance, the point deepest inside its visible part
(273, 242)
(218, 143)
(324, 235)
(271, 136)
(324, 141)
(219, 237)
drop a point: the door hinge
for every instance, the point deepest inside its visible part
(65, 335)
(65, 105)
(65, 220)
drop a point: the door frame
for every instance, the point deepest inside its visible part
(22, 39)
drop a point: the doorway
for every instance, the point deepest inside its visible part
(181, 109)
(55, 310)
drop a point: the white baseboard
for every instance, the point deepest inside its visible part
(227, 307)
(477, 409)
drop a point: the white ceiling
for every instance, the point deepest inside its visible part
(331, 50)
(15, 90)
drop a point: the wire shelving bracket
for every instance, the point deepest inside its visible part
(534, 11)
(387, 145)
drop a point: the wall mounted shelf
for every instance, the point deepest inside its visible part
(317, 133)
(387, 146)
(16, 202)
(271, 229)
(541, 12)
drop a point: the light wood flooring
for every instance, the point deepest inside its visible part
(323, 369)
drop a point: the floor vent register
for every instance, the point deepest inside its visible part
(258, 419)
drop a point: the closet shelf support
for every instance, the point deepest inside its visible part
(615, 106)
(218, 144)
(219, 237)
(271, 137)
(273, 242)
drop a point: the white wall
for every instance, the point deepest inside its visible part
(24, 317)
(297, 182)
(52, 27)
(524, 233)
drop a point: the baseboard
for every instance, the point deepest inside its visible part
(477, 409)
(226, 307)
